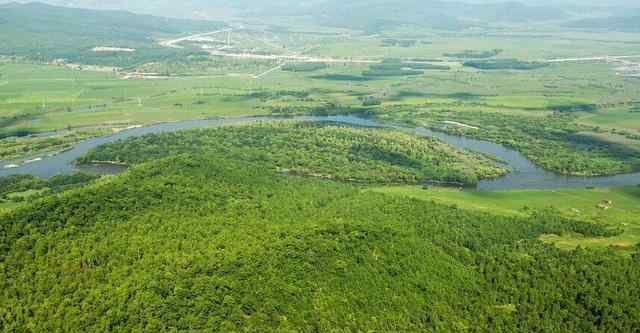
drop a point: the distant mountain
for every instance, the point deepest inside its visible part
(46, 32)
(192, 9)
(573, 3)
(375, 15)
(630, 22)
(444, 13)
(510, 12)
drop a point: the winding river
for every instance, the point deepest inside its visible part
(525, 174)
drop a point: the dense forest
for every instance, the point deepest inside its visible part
(16, 184)
(318, 149)
(304, 66)
(553, 141)
(202, 242)
(474, 54)
(505, 64)
(395, 42)
(393, 67)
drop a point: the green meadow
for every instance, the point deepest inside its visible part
(580, 204)
(59, 98)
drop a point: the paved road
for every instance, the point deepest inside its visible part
(172, 43)
(269, 71)
(593, 58)
(292, 57)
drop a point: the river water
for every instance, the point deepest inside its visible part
(525, 174)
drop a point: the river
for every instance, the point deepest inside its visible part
(525, 174)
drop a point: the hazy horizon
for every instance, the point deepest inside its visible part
(227, 7)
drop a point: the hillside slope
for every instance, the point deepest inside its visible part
(212, 242)
(47, 32)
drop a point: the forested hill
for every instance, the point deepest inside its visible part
(217, 240)
(329, 151)
(188, 8)
(372, 15)
(39, 30)
(199, 242)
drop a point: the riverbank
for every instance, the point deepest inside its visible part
(524, 173)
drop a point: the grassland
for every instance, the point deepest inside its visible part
(69, 94)
(12, 148)
(614, 118)
(517, 44)
(39, 98)
(19, 196)
(59, 98)
(581, 204)
(541, 89)
(6, 207)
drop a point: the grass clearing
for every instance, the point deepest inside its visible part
(7, 206)
(26, 194)
(620, 118)
(581, 204)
